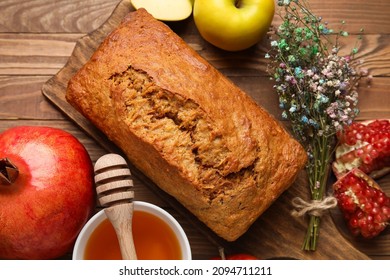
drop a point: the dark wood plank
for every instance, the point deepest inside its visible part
(47, 54)
(84, 16)
(21, 98)
(35, 54)
(374, 100)
(73, 16)
(372, 16)
(373, 55)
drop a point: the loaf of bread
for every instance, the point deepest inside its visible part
(186, 126)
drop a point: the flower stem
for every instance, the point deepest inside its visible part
(310, 242)
(318, 172)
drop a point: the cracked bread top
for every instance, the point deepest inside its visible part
(186, 126)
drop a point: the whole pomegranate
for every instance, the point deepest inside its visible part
(46, 192)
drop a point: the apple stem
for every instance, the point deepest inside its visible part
(8, 172)
(237, 3)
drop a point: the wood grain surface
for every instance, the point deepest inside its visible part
(43, 42)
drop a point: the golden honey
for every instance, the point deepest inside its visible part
(153, 240)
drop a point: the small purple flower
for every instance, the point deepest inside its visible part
(343, 86)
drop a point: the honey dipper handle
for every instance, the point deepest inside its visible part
(121, 216)
(114, 189)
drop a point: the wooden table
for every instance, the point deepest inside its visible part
(37, 37)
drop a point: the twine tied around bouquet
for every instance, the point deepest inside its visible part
(314, 207)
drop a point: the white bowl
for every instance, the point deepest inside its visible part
(90, 226)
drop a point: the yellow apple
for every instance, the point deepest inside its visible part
(233, 25)
(166, 10)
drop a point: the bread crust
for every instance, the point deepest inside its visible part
(188, 128)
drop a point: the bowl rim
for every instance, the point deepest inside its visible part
(98, 217)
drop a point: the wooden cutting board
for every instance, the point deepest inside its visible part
(276, 234)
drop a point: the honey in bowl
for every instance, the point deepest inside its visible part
(153, 239)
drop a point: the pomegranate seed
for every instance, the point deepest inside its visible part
(374, 153)
(365, 207)
(381, 200)
(353, 222)
(375, 211)
(386, 211)
(368, 207)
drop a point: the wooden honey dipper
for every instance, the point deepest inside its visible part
(114, 188)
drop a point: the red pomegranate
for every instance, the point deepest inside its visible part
(46, 192)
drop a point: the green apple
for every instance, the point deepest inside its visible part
(233, 25)
(166, 10)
